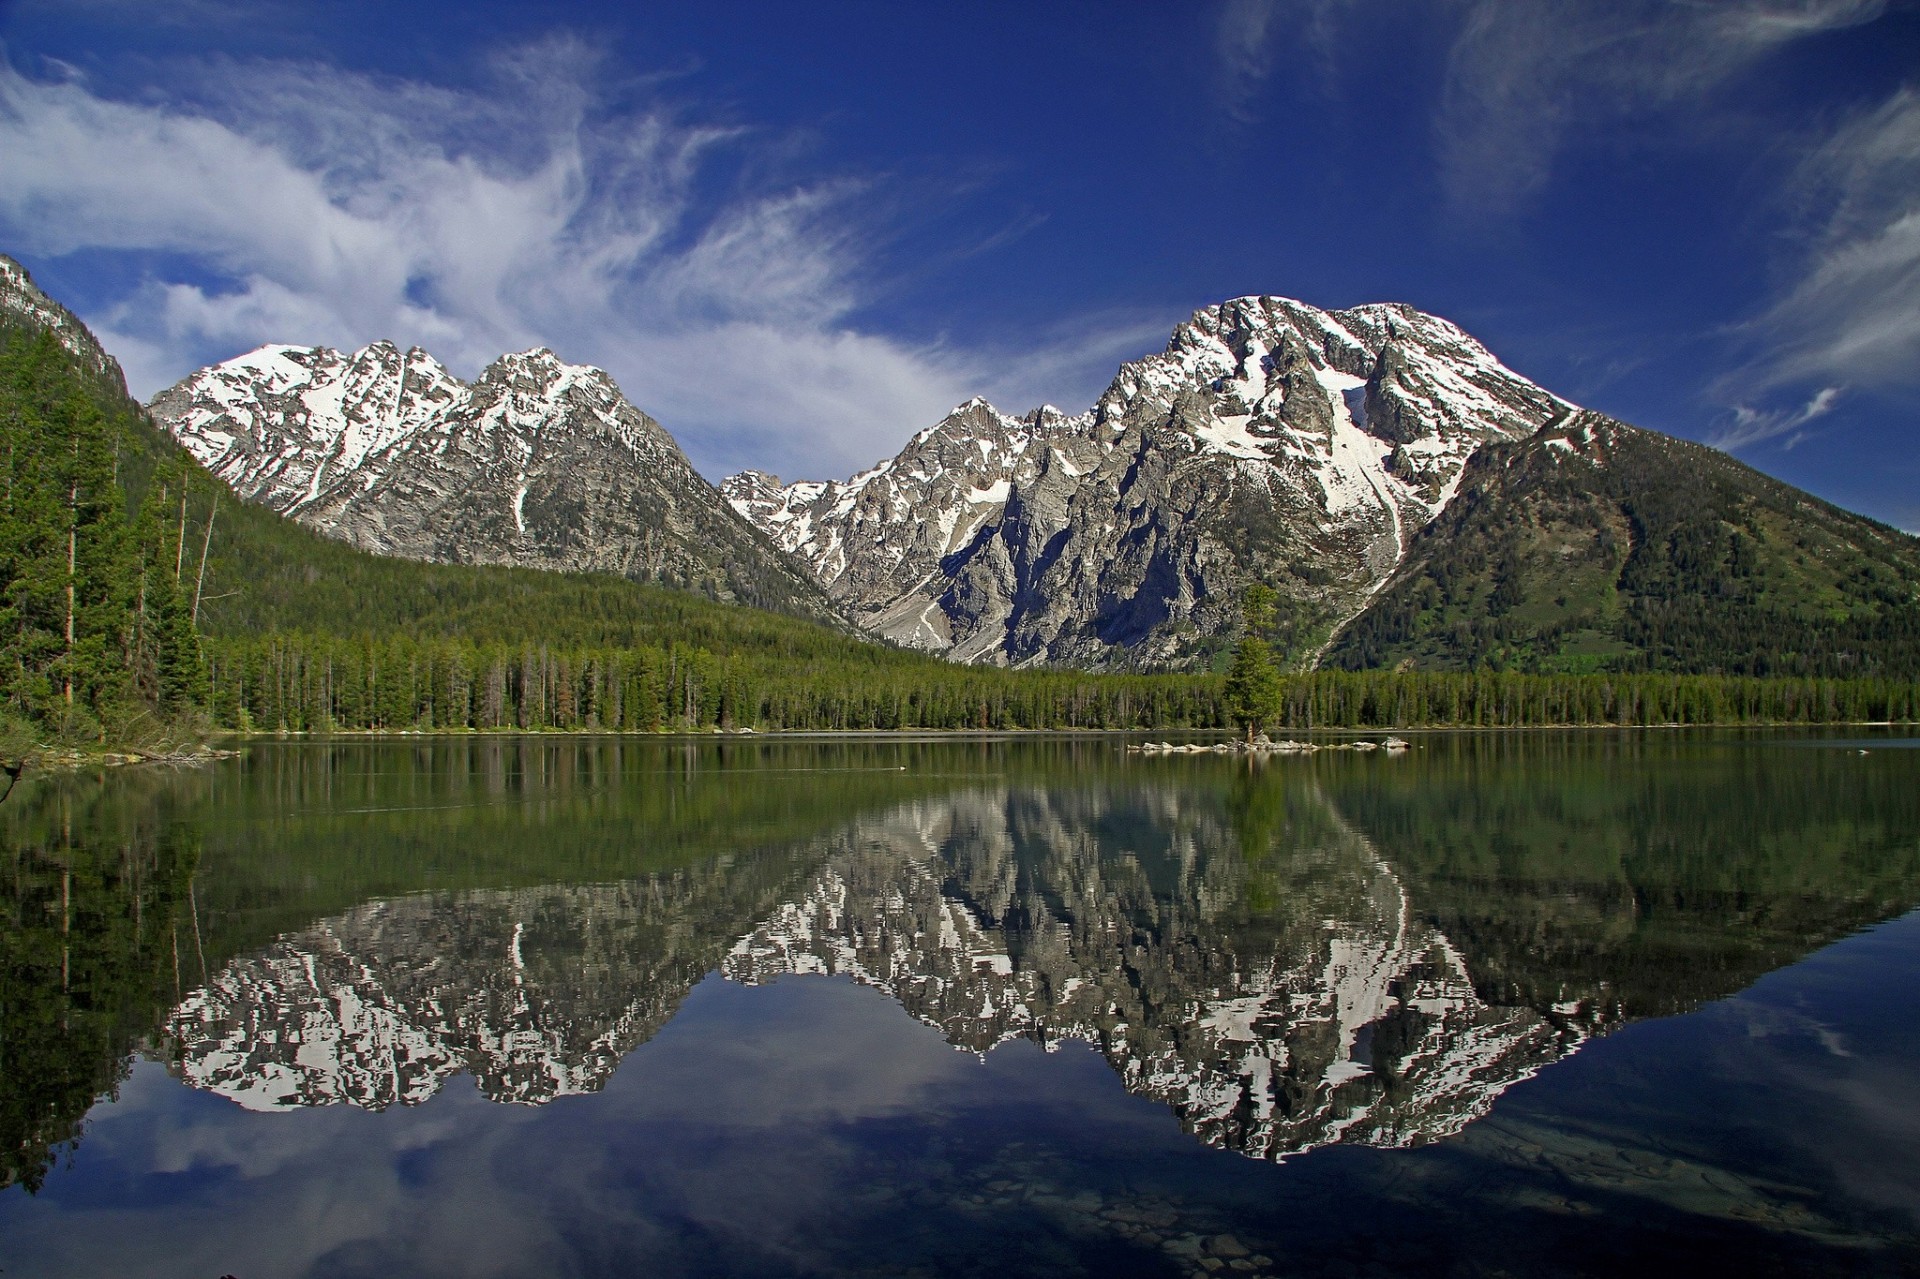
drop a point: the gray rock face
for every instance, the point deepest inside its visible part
(1270, 441)
(537, 993)
(880, 543)
(537, 463)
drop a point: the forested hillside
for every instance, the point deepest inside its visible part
(1594, 545)
(100, 644)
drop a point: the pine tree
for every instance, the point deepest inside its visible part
(1253, 684)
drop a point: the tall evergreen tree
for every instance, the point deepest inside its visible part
(1253, 684)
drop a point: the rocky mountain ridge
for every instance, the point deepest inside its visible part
(875, 542)
(537, 463)
(1411, 500)
(537, 993)
(22, 302)
(1270, 441)
(1346, 1018)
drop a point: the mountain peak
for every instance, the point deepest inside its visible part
(537, 462)
(542, 363)
(1269, 438)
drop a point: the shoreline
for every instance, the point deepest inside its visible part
(986, 734)
(46, 760)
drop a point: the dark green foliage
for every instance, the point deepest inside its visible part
(353, 821)
(319, 682)
(1657, 555)
(1489, 699)
(95, 642)
(316, 683)
(1639, 871)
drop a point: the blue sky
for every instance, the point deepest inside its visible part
(798, 233)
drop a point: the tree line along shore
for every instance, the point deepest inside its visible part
(322, 683)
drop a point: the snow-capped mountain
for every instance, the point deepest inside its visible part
(1271, 440)
(538, 463)
(877, 542)
(1413, 502)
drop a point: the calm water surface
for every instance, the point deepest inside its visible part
(1502, 1004)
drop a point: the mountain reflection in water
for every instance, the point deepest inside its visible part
(1337, 952)
(1278, 989)
(1337, 1015)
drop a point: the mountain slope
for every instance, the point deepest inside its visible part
(991, 917)
(1270, 441)
(1412, 501)
(984, 912)
(1596, 545)
(537, 463)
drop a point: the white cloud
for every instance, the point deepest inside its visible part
(1747, 425)
(1853, 311)
(1241, 40)
(1522, 75)
(1249, 35)
(1848, 311)
(302, 203)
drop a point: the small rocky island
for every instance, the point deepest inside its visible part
(1264, 745)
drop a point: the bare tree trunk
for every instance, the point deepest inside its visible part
(206, 546)
(193, 904)
(73, 546)
(140, 633)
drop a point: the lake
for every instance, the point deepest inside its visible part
(1519, 1003)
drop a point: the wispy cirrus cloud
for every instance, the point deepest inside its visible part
(1745, 424)
(1524, 75)
(314, 205)
(1853, 311)
(1249, 37)
(1525, 79)
(1848, 310)
(1243, 44)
